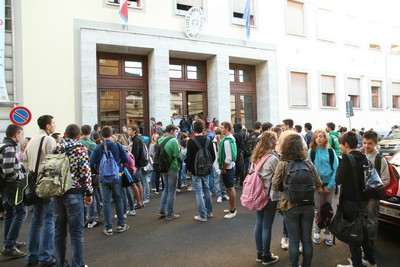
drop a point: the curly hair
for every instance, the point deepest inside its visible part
(292, 148)
(264, 145)
(313, 144)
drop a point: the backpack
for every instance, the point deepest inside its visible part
(373, 186)
(161, 162)
(325, 215)
(299, 184)
(331, 156)
(203, 161)
(144, 155)
(54, 178)
(2, 176)
(250, 144)
(392, 190)
(130, 165)
(108, 168)
(253, 195)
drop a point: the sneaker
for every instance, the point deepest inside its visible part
(92, 224)
(200, 219)
(153, 189)
(230, 214)
(316, 237)
(219, 199)
(328, 239)
(259, 257)
(285, 242)
(226, 197)
(138, 206)
(145, 202)
(184, 185)
(161, 214)
(108, 231)
(13, 253)
(131, 212)
(190, 188)
(349, 265)
(267, 260)
(210, 215)
(226, 211)
(170, 218)
(157, 192)
(123, 228)
(178, 190)
(366, 263)
(19, 245)
(301, 248)
(116, 216)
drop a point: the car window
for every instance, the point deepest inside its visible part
(395, 135)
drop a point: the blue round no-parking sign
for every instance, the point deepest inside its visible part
(20, 116)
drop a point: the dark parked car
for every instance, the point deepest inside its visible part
(389, 210)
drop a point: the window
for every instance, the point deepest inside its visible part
(396, 95)
(375, 46)
(108, 67)
(326, 30)
(133, 68)
(351, 30)
(298, 89)
(131, 3)
(328, 90)
(238, 10)
(395, 48)
(353, 91)
(376, 94)
(183, 6)
(8, 15)
(295, 18)
(175, 71)
(374, 34)
(231, 75)
(194, 72)
(241, 73)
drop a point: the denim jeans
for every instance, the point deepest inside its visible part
(41, 233)
(115, 189)
(145, 184)
(262, 230)
(350, 209)
(299, 222)
(219, 187)
(182, 176)
(372, 221)
(68, 214)
(14, 218)
(127, 199)
(168, 195)
(152, 179)
(200, 185)
(211, 181)
(94, 208)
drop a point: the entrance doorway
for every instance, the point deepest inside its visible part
(188, 103)
(242, 110)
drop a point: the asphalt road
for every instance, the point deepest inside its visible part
(151, 241)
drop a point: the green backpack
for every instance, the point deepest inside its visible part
(54, 178)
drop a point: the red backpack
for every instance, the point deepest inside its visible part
(254, 196)
(392, 190)
(130, 165)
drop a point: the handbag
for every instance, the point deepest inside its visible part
(349, 232)
(126, 178)
(29, 193)
(374, 187)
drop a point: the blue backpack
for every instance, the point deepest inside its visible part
(108, 169)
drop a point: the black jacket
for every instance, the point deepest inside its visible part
(345, 177)
(192, 151)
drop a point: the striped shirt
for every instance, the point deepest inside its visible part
(10, 165)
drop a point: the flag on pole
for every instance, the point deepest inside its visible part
(246, 17)
(123, 10)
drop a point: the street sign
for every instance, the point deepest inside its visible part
(20, 116)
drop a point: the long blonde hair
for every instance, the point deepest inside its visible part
(313, 143)
(264, 145)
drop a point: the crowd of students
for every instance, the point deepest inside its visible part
(232, 149)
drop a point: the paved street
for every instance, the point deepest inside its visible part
(185, 242)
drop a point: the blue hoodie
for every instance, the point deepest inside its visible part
(323, 166)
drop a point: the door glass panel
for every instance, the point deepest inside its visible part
(233, 109)
(246, 111)
(109, 108)
(133, 68)
(134, 108)
(245, 76)
(108, 67)
(231, 75)
(195, 105)
(176, 103)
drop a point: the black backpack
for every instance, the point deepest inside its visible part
(203, 161)
(325, 215)
(161, 162)
(251, 143)
(299, 184)
(144, 155)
